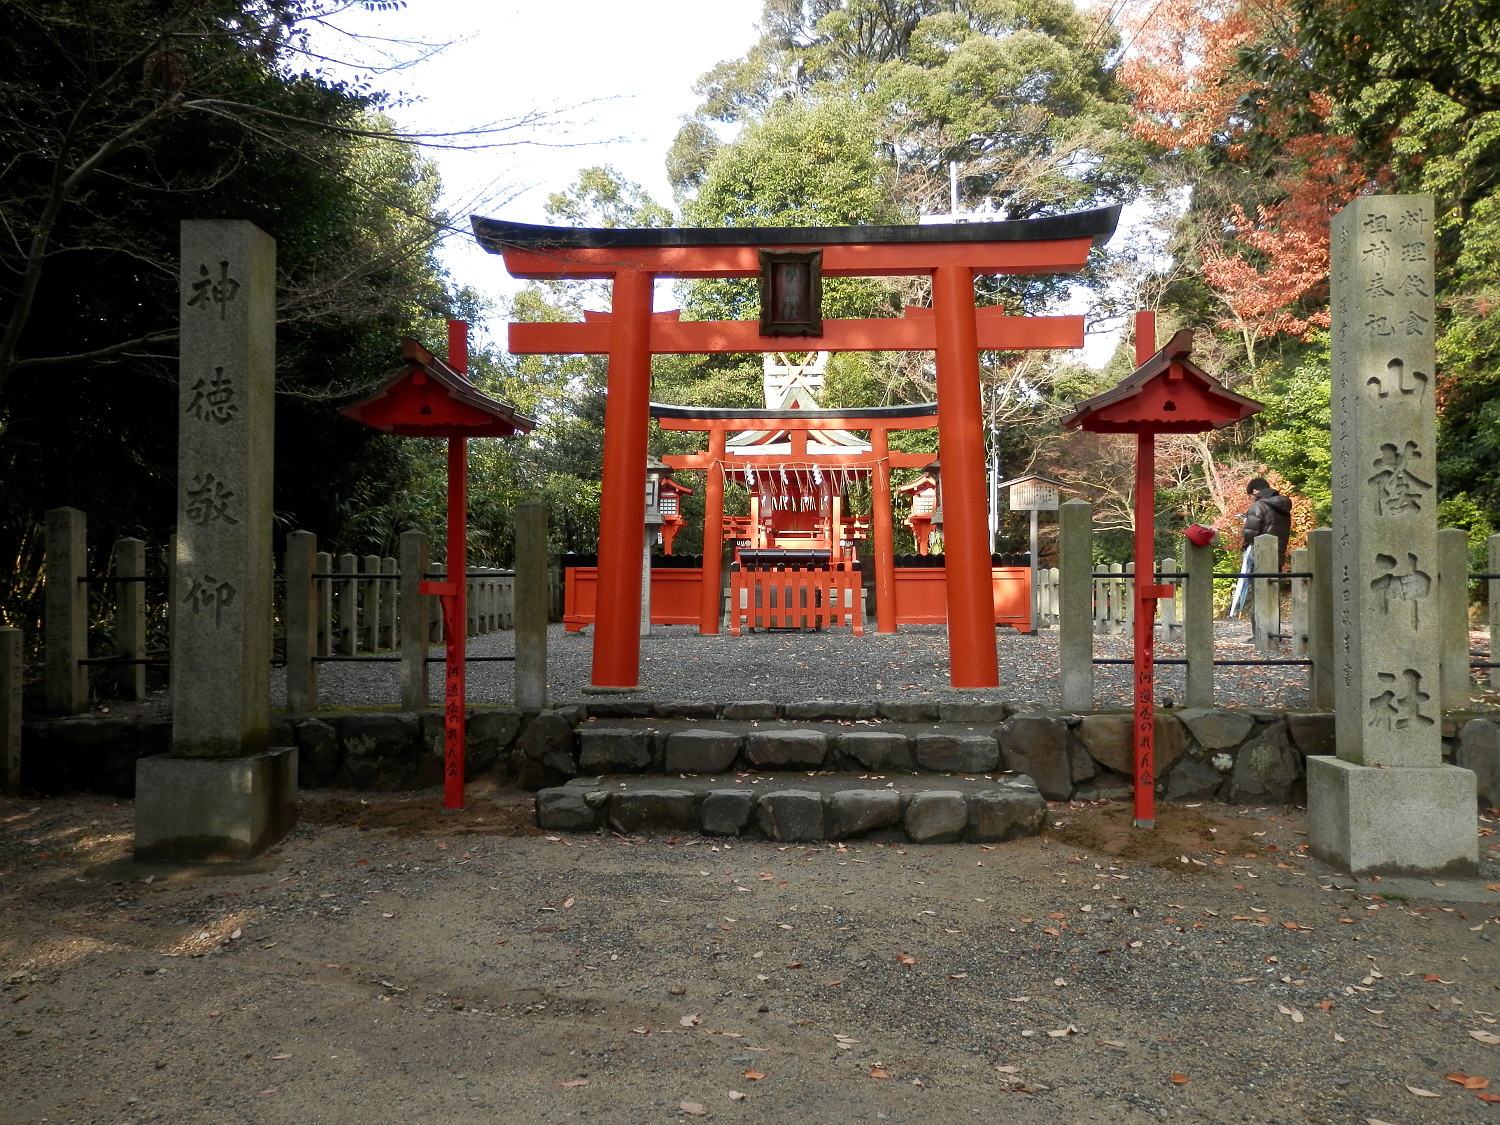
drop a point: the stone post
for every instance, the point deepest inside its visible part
(130, 616)
(1453, 603)
(301, 616)
(370, 612)
(12, 668)
(1320, 615)
(531, 605)
(1298, 559)
(1075, 603)
(66, 611)
(323, 562)
(1170, 626)
(347, 630)
(222, 793)
(1198, 624)
(1386, 805)
(388, 603)
(1492, 566)
(414, 624)
(1265, 597)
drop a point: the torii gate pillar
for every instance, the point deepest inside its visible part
(622, 501)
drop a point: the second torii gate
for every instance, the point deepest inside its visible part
(953, 328)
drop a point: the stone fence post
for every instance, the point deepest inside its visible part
(1298, 560)
(413, 622)
(1492, 566)
(130, 616)
(531, 605)
(1075, 603)
(1453, 610)
(1198, 624)
(67, 618)
(301, 621)
(1265, 558)
(12, 665)
(1320, 616)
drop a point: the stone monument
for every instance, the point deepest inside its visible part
(1386, 804)
(222, 792)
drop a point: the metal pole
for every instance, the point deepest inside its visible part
(1034, 514)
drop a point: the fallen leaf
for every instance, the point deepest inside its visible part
(691, 1020)
(387, 915)
(1375, 1121)
(567, 903)
(1008, 1069)
(1179, 1079)
(1421, 1093)
(272, 1090)
(736, 1096)
(1337, 1038)
(1113, 1042)
(278, 1058)
(1050, 930)
(755, 1075)
(641, 1030)
(794, 964)
(442, 845)
(1434, 978)
(697, 1109)
(1326, 1005)
(1060, 982)
(1488, 1037)
(878, 1071)
(214, 1015)
(958, 976)
(575, 1082)
(906, 959)
(1488, 1097)
(1062, 1032)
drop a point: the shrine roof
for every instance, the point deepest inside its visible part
(497, 235)
(910, 410)
(1142, 403)
(426, 397)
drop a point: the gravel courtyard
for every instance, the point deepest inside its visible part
(390, 964)
(678, 663)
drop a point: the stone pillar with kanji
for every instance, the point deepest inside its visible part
(222, 792)
(1386, 804)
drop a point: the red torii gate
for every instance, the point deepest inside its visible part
(953, 328)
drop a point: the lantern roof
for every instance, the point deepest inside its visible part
(1168, 394)
(428, 398)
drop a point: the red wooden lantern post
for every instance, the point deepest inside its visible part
(1166, 394)
(430, 398)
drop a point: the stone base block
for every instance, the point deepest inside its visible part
(212, 809)
(1395, 821)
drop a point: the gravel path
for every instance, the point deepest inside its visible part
(441, 972)
(679, 664)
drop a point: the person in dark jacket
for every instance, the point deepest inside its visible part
(1270, 513)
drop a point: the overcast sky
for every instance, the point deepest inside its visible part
(621, 74)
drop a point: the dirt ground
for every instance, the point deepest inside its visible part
(392, 964)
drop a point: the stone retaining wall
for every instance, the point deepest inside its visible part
(1241, 755)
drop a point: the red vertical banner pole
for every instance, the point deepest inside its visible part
(882, 533)
(972, 658)
(1145, 631)
(711, 602)
(1145, 598)
(455, 603)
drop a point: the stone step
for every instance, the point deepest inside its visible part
(798, 807)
